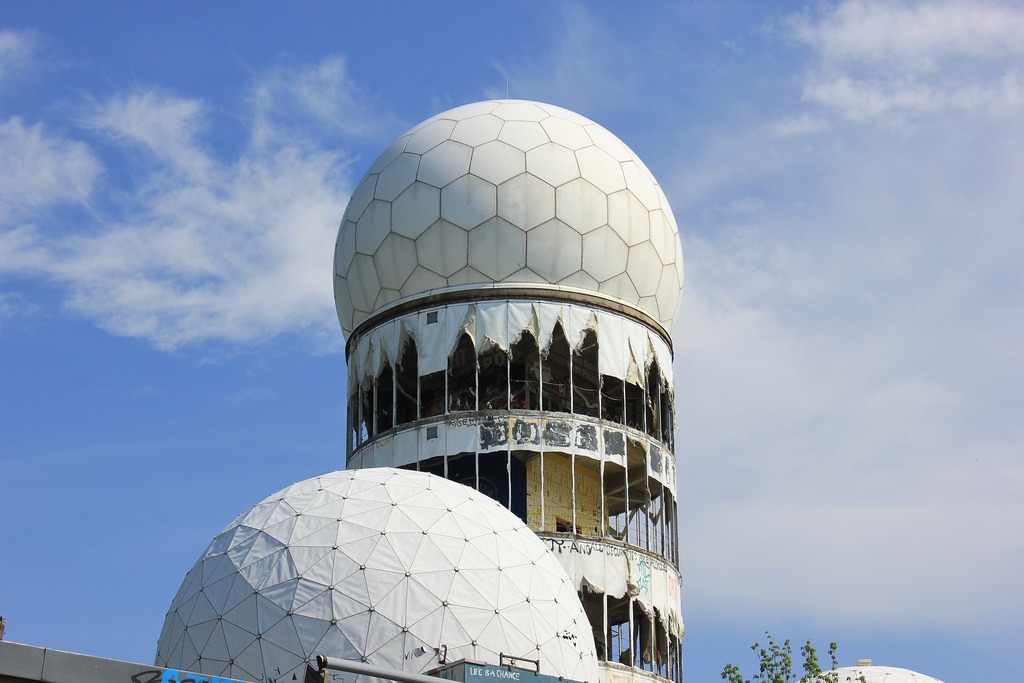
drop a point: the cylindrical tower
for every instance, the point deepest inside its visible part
(507, 274)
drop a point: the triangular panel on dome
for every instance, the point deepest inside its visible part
(313, 600)
(249, 663)
(268, 613)
(236, 638)
(282, 594)
(433, 582)
(203, 610)
(381, 630)
(200, 633)
(233, 593)
(283, 635)
(310, 632)
(313, 561)
(242, 615)
(216, 648)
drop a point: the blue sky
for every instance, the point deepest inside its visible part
(847, 181)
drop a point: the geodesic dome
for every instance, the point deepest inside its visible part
(383, 566)
(882, 674)
(507, 192)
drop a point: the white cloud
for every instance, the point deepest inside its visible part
(195, 246)
(326, 94)
(582, 65)
(799, 125)
(163, 125)
(17, 49)
(913, 36)
(891, 63)
(41, 169)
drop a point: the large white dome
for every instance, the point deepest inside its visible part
(507, 192)
(375, 565)
(882, 674)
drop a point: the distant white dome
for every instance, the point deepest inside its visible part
(882, 674)
(375, 565)
(507, 192)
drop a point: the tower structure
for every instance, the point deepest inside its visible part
(507, 274)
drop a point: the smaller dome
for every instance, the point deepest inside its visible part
(882, 674)
(382, 566)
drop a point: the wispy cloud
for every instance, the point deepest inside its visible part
(17, 50)
(191, 244)
(891, 63)
(911, 36)
(41, 169)
(578, 66)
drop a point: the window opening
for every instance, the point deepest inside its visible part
(524, 373)
(462, 376)
(585, 378)
(493, 380)
(653, 401)
(613, 403)
(385, 399)
(555, 379)
(405, 383)
(432, 394)
(634, 406)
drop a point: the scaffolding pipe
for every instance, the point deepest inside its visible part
(362, 669)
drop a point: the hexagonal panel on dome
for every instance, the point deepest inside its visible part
(526, 201)
(579, 204)
(468, 201)
(604, 253)
(442, 248)
(477, 130)
(444, 163)
(373, 226)
(512, 110)
(568, 134)
(375, 565)
(629, 217)
(497, 248)
(423, 280)
(639, 183)
(395, 261)
(497, 161)
(601, 169)
(553, 164)
(524, 135)
(554, 250)
(416, 209)
(430, 136)
(397, 176)
(644, 268)
(364, 287)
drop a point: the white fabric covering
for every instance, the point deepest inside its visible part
(626, 348)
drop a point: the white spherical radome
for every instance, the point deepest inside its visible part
(507, 191)
(882, 674)
(380, 565)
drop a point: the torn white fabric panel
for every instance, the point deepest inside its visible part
(547, 315)
(575, 320)
(492, 323)
(431, 341)
(613, 358)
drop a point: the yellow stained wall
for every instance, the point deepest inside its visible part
(558, 494)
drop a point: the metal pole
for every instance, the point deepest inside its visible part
(375, 671)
